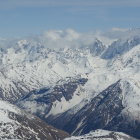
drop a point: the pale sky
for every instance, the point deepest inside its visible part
(29, 17)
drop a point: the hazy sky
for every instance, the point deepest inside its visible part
(27, 17)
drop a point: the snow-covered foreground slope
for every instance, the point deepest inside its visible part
(16, 124)
(102, 135)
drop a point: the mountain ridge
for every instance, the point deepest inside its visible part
(64, 80)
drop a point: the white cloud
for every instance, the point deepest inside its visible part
(68, 35)
(69, 38)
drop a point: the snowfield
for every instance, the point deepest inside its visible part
(102, 135)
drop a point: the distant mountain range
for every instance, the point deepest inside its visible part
(77, 82)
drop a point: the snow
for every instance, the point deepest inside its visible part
(100, 135)
(6, 122)
(6, 106)
(33, 63)
(33, 107)
(67, 62)
(131, 95)
(60, 107)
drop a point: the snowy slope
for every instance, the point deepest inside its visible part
(19, 76)
(115, 108)
(54, 100)
(16, 124)
(102, 135)
(121, 46)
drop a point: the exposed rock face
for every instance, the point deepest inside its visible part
(36, 128)
(123, 123)
(94, 115)
(52, 98)
(108, 110)
(16, 124)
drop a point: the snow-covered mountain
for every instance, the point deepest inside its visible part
(102, 135)
(22, 72)
(115, 108)
(121, 46)
(66, 76)
(16, 124)
(52, 100)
